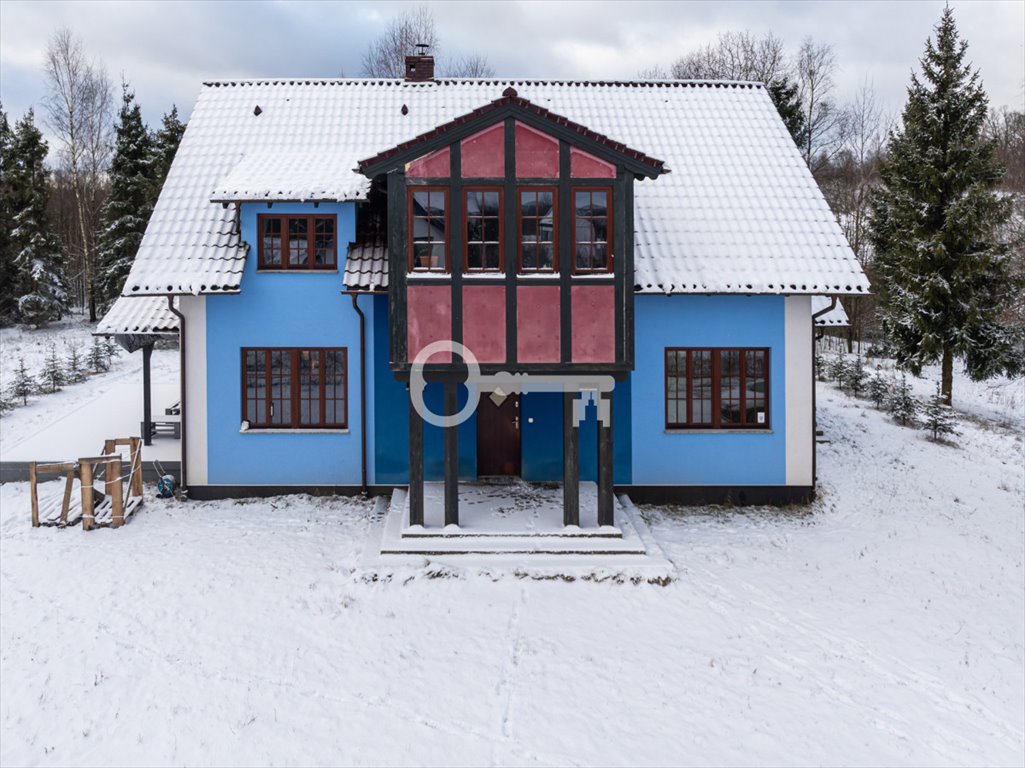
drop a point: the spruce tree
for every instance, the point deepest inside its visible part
(130, 201)
(838, 368)
(74, 366)
(938, 417)
(53, 375)
(878, 389)
(43, 285)
(6, 403)
(99, 360)
(944, 276)
(165, 145)
(903, 406)
(856, 376)
(8, 268)
(785, 95)
(23, 385)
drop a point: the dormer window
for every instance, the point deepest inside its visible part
(297, 241)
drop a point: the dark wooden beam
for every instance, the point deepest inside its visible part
(570, 463)
(147, 397)
(606, 501)
(416, 467)
(451, 456)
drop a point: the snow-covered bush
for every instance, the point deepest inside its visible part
(938, 417)
(821, 367)
(98, 359)
(838, 369)
(902, 405)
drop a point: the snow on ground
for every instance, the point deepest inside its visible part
(76, 420)
(884, 625)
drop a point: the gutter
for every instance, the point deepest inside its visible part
(814, 386)
(185, 412)
(354, 295)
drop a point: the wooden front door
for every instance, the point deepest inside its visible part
(498, 436)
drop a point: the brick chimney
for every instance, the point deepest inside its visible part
(421, 66)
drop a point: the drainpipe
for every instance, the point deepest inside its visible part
(364, 489)
(184, 410)
(814, 384)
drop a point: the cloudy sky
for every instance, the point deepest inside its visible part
(166, 49)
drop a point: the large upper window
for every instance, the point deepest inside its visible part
(483, 212)
(428, 229)
(717, 388)
(297, 241)
(592, 229)
(537, 230)
(292, 388)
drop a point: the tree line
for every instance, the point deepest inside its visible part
(74, 221)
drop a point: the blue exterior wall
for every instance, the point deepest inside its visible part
(722, 458)
(287, 310)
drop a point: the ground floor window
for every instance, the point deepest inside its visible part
(295, 388)
(717, 388)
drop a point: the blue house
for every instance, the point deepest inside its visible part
(645, 254)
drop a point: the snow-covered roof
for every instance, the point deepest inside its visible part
(138, 315)
(835, 317)
(366, 267)
(739, 213)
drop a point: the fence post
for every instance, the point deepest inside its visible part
(87, 495)
(35, 495)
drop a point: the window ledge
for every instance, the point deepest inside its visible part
(259, 431)
(553, 276)
(594, 276)
(297, 271)
(718, 431)
(428, 275)
(483, 275)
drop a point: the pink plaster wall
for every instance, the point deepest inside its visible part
(428, 318)
(435, 164)
(484, 322)
(584, 165)
(537, 154)
(483, 154)
(537, 324)
(594, 323)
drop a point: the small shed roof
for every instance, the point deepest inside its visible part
(834, 318)
(138, 316)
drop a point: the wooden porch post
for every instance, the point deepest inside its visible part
(570, 463)
(416, 467)
(605, 496)
(451, 456)
(147, 400)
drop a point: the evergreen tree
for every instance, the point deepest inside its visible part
(99, 360)
(903, 406)
(6, 403)
(53, 376)
(127, 209)
(856, 376)
(821, 367)
(37, 249)
(878, 389)
(785, 94)
(838, 368)
(8, 268)
(23, 385)
(165, 145)
(938, 417)
(945, 279)
(111, 349)
(74, 366)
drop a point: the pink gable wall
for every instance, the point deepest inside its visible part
(537, 324)
(484, 322)
(594, 324)
(429, 318)
(584, 165)
(435, 164)
(483, 154)
(537, 154)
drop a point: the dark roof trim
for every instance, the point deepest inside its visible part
(511, 105)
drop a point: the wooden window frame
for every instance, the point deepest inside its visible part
(311, 239)
(610, 258)
(501, 230)
(295, 399)
(447, 192)
(554, 190)
(716, 386)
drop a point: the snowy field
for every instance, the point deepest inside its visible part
(884, 625)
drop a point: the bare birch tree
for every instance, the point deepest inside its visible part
(79, 111)
(824, 120)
